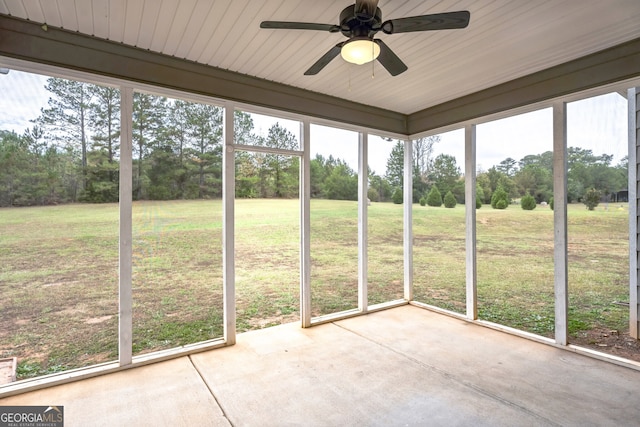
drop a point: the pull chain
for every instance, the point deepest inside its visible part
(373, 68)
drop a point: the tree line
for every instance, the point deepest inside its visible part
(533, 175)
(71, 154)
(530, 176)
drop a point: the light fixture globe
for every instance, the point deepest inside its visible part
(360, 50)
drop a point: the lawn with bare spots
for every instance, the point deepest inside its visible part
(59, 272)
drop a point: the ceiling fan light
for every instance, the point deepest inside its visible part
(360, 51)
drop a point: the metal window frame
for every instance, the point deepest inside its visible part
(633, 98)
(125, 358)
(470, 222)
(560, 245)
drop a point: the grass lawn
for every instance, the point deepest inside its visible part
(59, 265)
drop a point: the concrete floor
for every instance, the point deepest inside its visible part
(405, 366)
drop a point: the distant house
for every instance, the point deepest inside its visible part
(620, 196)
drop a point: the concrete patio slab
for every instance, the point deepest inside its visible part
(555, 385)
(328, 376)
(166, 393)
(401, 367)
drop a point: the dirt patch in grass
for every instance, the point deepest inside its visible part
(278, 319)
(609, 341)
(96, 320)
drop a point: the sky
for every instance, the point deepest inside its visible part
(598, 123)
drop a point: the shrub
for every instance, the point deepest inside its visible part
(592, 198)
(423, 201)
(502, 204)
(397, 196)
(528, 202)
(551, 203)
(449, 200)
(434, 198)
(373, 195)
(480, 192)
(499, 195)
(478, 202)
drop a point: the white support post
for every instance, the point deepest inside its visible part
(633, 98)
(470, 219)
(305, 225)
(125, 267)
(228, 226)
(408, 220)
(560, 222)
(363, 184)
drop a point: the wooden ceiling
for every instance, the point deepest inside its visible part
(506, 39)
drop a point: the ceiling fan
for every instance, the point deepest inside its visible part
(360, 23)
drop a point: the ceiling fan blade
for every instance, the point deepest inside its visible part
(438, 21)
(365, 10)
(390, 60)
(324, 60)
(283, 25)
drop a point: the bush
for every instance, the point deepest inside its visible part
(592, 198)
(502, 204)
(373, 195)
(499, 195)
(551, 203)
(528, 202)
(480, 192)
(449, 200)
(397, 196)
(434, 198)
(423, 201)
(478, 202)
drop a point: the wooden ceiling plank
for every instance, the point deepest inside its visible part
(163, 25)
(101, 18)
(33, 10)
(133, 15)
(194, 27)
(117, 13)
(68, 14)
(258, 42)
(207, 39)
(148, 23)
(178, 26)
(16, 8)
(84, 12)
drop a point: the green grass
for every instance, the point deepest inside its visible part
(439, 256)
(59, 271)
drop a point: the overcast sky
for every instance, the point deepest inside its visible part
(599, 124)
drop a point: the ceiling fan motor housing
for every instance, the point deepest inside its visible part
(352, 25)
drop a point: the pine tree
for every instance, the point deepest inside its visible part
(528, 202)
(445, 172)
(149, 112)
(204, 124)
(102, 167)
(395, 166)
(278, 168)
(67, 118)
(434, 198)
(499, 199)
(449, 200)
